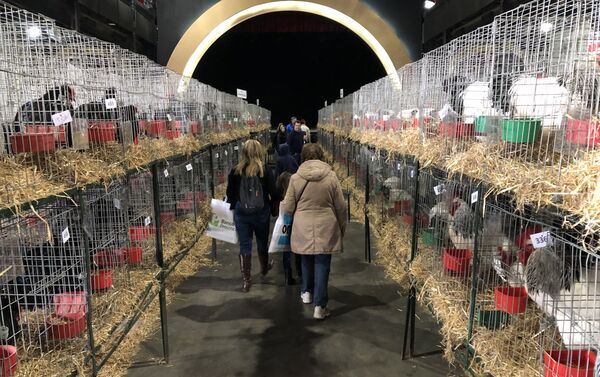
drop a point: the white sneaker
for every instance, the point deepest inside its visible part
(306, 297)
(321, 313)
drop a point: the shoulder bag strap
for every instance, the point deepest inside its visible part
(301, 193)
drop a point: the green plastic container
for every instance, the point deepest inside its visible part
(492, 319)
(480, 125)
(521, 130)
(428, 236)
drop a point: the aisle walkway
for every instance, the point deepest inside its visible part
(215, 330)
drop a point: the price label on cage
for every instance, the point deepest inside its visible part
(66, 235)
(399, 166)
(117, 203)
(235, 148)
(226, 153)
(412, 173)
(474, 197)
(439, 189)
(386, 118)
(62, 118)
(542, 239)
(188, 167)
(147, 221)
(235, 119)
(216, 155)
(169, 117)
(208, 117)
(166, 173)
(110, 103)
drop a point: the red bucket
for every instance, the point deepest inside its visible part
(185, 204)
(172, 135)
(101, 280)
(134, 255)
(194, 128)
(422, 220)
(102, 132)
(457, 260)
(110, 258)
(66, 327)
(511, 300)
(69, 304)
(569, 363)
(140, 233)
(166, 217)
(200, 196)
(156, 127)
(403, 206)
(38, 142)
(583, 132)
(456, 130)
(9, 360)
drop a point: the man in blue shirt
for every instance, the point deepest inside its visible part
(290, 126)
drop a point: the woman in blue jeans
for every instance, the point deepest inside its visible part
(315, 199)
(250, 190)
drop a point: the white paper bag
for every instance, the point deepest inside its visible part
(221, 225)
(280, 241)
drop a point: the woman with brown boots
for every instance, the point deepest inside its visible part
(250, 190)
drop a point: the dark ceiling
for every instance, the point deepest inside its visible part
(293, 62)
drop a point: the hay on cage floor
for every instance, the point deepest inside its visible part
(393, 252)
(445, 295)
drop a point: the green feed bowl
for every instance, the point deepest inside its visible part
(492, 319)
(521, 130)
(481, 125)
(428, 237)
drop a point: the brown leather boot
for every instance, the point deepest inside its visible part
(246, 268)
(265, 264)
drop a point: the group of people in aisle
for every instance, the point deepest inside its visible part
(303, 186)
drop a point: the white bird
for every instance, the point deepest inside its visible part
(542, 98)
(477, 101)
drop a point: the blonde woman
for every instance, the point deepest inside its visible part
(250, 190)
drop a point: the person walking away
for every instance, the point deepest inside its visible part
(250, 191)
(306, 131)
(285, 162)
(290, 127)
(314, 198)
(280, 136)
(296, 141)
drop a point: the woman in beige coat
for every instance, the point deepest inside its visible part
(315, 199)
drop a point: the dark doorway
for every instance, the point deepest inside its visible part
(292, 61)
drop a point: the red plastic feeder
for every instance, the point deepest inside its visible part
(200, 196)
(511, 300)
(403, 206)
(457, 261)
(456, 130)
(166, 217)
(172, 135)
(134, 255)
(422, 220)
(66, 327)
(143, 125)
(185, 204)
(569, 363)
(156, 127)
(69, 304)
(110, 258)
(101, 280)
(194, 128)
(38, 142)
(140, 233)
(102, 132)
(583, 132)
(9, 360)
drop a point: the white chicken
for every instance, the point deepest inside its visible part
(541, 98)
(477, 101)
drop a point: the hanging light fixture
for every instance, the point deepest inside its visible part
(429, 4)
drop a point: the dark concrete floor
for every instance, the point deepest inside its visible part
(215, 330)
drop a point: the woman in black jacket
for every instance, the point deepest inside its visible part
(280, 136)
(251, 220)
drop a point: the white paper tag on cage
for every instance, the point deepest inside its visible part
(412, 173)
(474, 197)
(147, 221)
(169, 117)
(66, 235)
(226, 153)
(399, 166)
(110, 103)
(235, 148)
(216, 155)
(386, 118)
(166, 173)
(208, 117)
(439, 189)
(235, 119)
(189, 167)
(62, 118)
(117, 203)
(542, 239)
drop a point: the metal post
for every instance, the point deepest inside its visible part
(88, 280)
(162, 296)
(475, 273)
(212, 195)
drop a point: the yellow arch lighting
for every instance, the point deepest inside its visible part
(280, 6)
